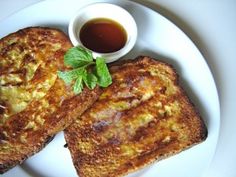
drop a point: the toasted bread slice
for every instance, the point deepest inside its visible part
(34, 103)
(142, 117)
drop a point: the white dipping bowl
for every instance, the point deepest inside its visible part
(109, 11)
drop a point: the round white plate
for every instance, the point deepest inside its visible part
(158, 38)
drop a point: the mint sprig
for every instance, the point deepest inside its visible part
(102, 72)
(78, 57)
(85, 70)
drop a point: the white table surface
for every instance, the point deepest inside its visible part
(211, 24)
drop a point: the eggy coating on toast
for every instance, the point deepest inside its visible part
(34, 103)
(142, 117)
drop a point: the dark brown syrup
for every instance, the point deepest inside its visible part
(103, 35)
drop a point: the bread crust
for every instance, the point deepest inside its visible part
(35, 103)
(144, 116)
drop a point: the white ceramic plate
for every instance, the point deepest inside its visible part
(158, 38)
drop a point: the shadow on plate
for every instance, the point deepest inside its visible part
(31, 171)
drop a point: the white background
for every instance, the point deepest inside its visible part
(211, 24)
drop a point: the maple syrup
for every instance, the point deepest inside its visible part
(103, 35)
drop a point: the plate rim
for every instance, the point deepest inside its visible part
(154, 11)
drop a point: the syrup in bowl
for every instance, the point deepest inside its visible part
(103, 35)
(108, 30)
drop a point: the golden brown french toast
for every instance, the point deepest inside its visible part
(34, 103)
(142, 117)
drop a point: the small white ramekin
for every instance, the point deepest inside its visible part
(104, 10)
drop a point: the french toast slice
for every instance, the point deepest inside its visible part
(34, 103)
(143, 116)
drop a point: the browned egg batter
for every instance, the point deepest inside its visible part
(103, 35)
(142, 116)
(34, 103)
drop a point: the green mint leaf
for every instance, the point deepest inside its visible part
(69, 76)
(81, 59)
(77, 57)
(90, 80)
(102, 72)
(78, 87)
